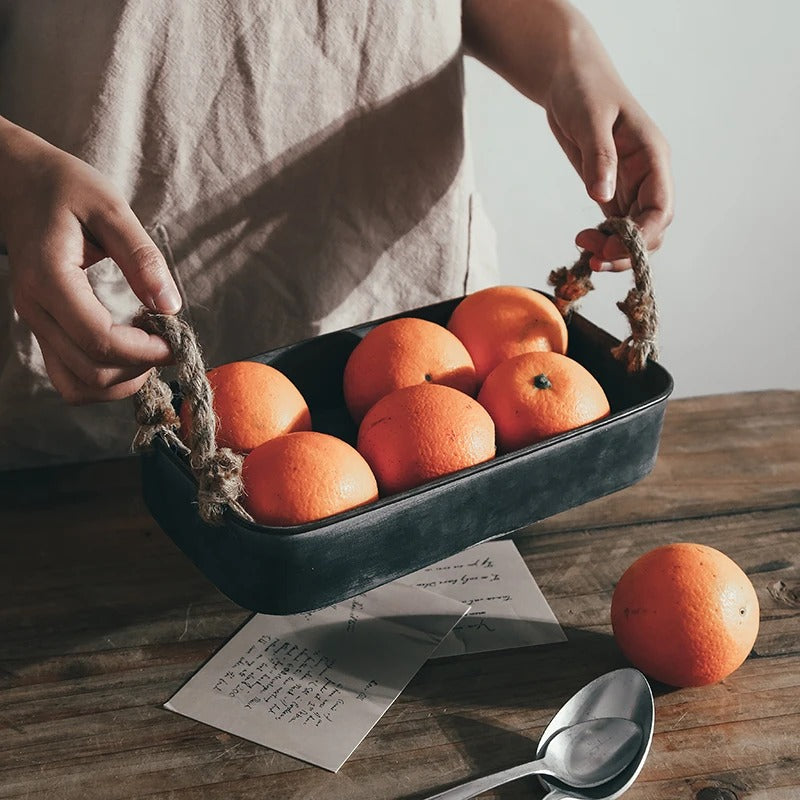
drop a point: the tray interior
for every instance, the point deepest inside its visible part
(316, 367)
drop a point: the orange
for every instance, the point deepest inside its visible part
(685, 614)
(253, 403)
(536, 395)
(503, 321)
(303, 477)
(404, 352)
(419, 433)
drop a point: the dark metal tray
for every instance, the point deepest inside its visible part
(284, 570)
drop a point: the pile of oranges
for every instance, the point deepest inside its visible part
(428, 400)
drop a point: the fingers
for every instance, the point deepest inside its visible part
(650, 207)
(655, 199)
(608, 252)
(123, 238)
(65, 294)
(93, 375)
(599, 158)
(75, 391)
(597, 243)
(89, 358)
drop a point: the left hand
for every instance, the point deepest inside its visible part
(619, 153)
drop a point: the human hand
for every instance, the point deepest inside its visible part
(550, 53)
(619, 153)
(59, 216)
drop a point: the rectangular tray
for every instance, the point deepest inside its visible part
(285, 570)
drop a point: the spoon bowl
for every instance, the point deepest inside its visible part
(623, 693)
(592, 752)
(585, 754)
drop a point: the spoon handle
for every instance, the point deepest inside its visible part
(474, 787)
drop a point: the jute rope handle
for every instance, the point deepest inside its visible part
(639, 306)
(218, 470)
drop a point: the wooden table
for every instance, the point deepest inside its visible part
(102, 619)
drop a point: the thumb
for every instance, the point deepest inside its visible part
(599, 160)
(122, 237)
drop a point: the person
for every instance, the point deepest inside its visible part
(276, 171)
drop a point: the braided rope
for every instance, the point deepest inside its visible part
(218, 470)
(639, 306)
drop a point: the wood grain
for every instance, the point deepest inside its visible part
(102, 619)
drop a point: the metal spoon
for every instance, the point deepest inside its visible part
(585, 754)
(622, 693)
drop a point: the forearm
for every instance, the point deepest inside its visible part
(7, 137)
(12, 141)
(527, 42)
(16, 145)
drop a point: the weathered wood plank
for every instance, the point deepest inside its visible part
(718, 454)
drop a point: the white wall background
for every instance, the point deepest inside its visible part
(721, 78)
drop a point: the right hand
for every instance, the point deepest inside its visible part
(58, 216)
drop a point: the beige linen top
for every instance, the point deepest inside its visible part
(304, 166)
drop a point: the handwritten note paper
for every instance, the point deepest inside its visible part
(507, 607)
(313, 685)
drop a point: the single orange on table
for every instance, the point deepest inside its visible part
(253, 402)
(534, 396)
(504, 321)
(419, 433)
(304, 477)
(404, 352)
(685, 614)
